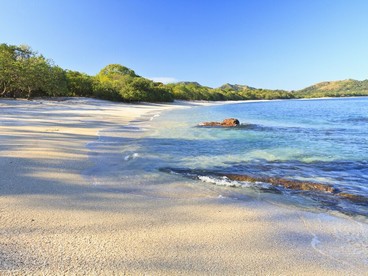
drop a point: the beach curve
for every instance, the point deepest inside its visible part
(55, 221)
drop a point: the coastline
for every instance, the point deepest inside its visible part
(54, 221)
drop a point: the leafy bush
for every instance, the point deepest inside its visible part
(25, 73)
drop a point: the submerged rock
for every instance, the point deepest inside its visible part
(274, 181)
(230, 122)
(359, 199)
(326, 194)
(286, 183)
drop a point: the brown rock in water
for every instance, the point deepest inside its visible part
(302, 185)
(230, 122)
(354, 198)
(238, 177)
(286, 183)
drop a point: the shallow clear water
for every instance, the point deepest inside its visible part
(324, 141)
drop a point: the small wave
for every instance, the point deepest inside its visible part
(131, 128)
(356, 120)
(243, 126)
(131, 156)
(221, 181)
(154, 116)
(326, 195)
(315, 241)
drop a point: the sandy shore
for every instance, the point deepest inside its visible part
(54, 222)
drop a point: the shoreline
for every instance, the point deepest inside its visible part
(55, 221)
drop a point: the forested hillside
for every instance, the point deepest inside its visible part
(343, 88)
(26, 74)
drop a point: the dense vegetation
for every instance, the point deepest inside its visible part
(25, 74)
(344, 88)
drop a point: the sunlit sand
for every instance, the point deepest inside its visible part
(54, 221)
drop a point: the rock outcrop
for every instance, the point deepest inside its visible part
(286, 183)
(276, 182)
(359, 199)
(230, 122)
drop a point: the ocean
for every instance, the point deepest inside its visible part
(322, 141)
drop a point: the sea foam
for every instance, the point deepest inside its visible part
(222, 181)
(131, 156)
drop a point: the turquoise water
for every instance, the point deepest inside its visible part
(323, 141)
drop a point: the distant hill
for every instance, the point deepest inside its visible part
(340, 88)
(236, 87)
(194, 83)
(25, 74)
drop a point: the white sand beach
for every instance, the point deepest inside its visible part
(54, 221)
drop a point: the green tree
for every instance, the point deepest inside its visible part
(56, 83)
(79, 84)
(23, 73)
(106, 91)
(10, 69)
(34, 75)
(114, 72)
(139, 89)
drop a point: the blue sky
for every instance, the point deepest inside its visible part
(267, 44)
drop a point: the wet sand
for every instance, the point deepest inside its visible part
(54, 221)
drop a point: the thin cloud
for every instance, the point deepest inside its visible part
(164, 80)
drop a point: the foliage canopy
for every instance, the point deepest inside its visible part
(24, 73)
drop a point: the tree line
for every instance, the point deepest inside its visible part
(24, 73)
